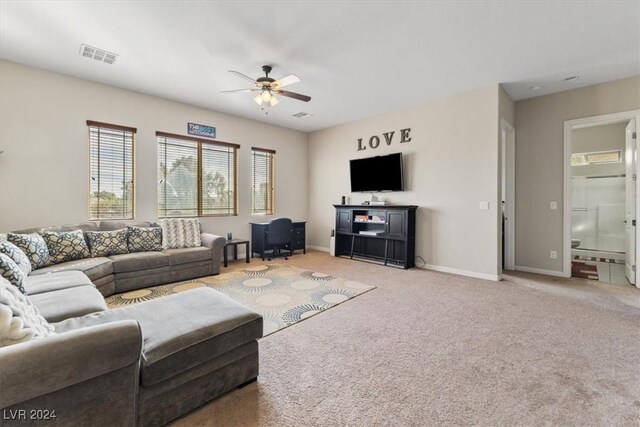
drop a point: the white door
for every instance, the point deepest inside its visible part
(509, 194)
(630, 209)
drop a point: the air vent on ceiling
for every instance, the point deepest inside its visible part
(302, 115)
(98, 54)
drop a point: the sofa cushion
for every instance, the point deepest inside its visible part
(138, 261)
(34, 246)
(55, 281)
(111, 225)
(95, 268)
(187, 255)
(20, 320)
(106, 243)
(10, 271)
(144, 239)
(67, 303)
(180, 233)
(65, 245)
(17, 255)
(181, 331)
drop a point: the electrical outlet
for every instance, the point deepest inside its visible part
(484, 206)
(553, 206)
(553, 255)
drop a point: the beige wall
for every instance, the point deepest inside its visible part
(43, 171)
(539, 162)
(451, 165)
(599, 138)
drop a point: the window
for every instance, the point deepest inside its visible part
(196, 177)
(111, 179)
(596, 158)
(262, 186)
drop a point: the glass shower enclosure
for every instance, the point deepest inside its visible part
(598, 212)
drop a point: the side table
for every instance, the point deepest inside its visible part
(235, 243)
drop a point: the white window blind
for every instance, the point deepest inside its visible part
(262, 185)
(195, 177)
(111, 178)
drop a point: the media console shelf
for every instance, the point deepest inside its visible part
(383, 233)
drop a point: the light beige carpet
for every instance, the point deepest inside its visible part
(281, 293)
(430, 349)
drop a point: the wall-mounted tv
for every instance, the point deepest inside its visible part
(380, 173)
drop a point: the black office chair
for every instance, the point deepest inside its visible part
(279, 235)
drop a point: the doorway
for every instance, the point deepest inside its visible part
(601, 197)
(508, 194)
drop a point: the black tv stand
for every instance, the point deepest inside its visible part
(383, 234)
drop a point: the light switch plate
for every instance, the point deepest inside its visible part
(553, 206)
(484, 206)
(553, 255)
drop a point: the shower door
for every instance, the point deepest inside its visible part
(598, 213)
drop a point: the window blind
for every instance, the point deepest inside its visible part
(195, 177)
(262, 185)
(111, 174)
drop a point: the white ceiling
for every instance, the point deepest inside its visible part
(356, 59)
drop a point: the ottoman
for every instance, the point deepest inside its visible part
(196, 346)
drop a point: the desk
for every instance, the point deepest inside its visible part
(258, 240)
(235, 243)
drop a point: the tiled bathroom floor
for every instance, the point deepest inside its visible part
(611, 273)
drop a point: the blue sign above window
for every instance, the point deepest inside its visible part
(201, 130)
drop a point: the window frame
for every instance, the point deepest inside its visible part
(199, 199)
(271, 180)
(111, 126)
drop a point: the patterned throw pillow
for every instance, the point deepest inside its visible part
(180, 233)
(20, 320)
(66, 245)
(16, 254)
(144, 239)
(3, 237)
(106, 243)
(34, 246)
(10, 271)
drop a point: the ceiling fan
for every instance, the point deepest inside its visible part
(269, 88)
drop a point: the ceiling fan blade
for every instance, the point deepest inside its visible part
(294, 95)
(244, 76)
(239, 90)
(286, 81)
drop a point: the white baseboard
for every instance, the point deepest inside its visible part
(485, 276)
(540, 271)
(318, 248)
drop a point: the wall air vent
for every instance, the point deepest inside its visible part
(98, 54)
(302, 115)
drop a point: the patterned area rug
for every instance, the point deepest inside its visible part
(282, 294)
(583, 270)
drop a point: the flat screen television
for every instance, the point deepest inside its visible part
(380, 173)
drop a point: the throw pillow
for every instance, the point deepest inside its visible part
(16, 254)
(65, 245)
(3, 237)
(143, 239)
(34, 246)
(180, 233)
(106, 243)
(20, 320)
(10, 271)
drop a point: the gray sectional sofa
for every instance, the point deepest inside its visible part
(121, 273)
(145, 364)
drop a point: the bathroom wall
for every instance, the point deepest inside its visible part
(599, 138)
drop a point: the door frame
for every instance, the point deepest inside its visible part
(508, 174)
(570, 125)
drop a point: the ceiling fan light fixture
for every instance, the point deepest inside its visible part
(273, 101)
(258, 99)
(266, 95)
